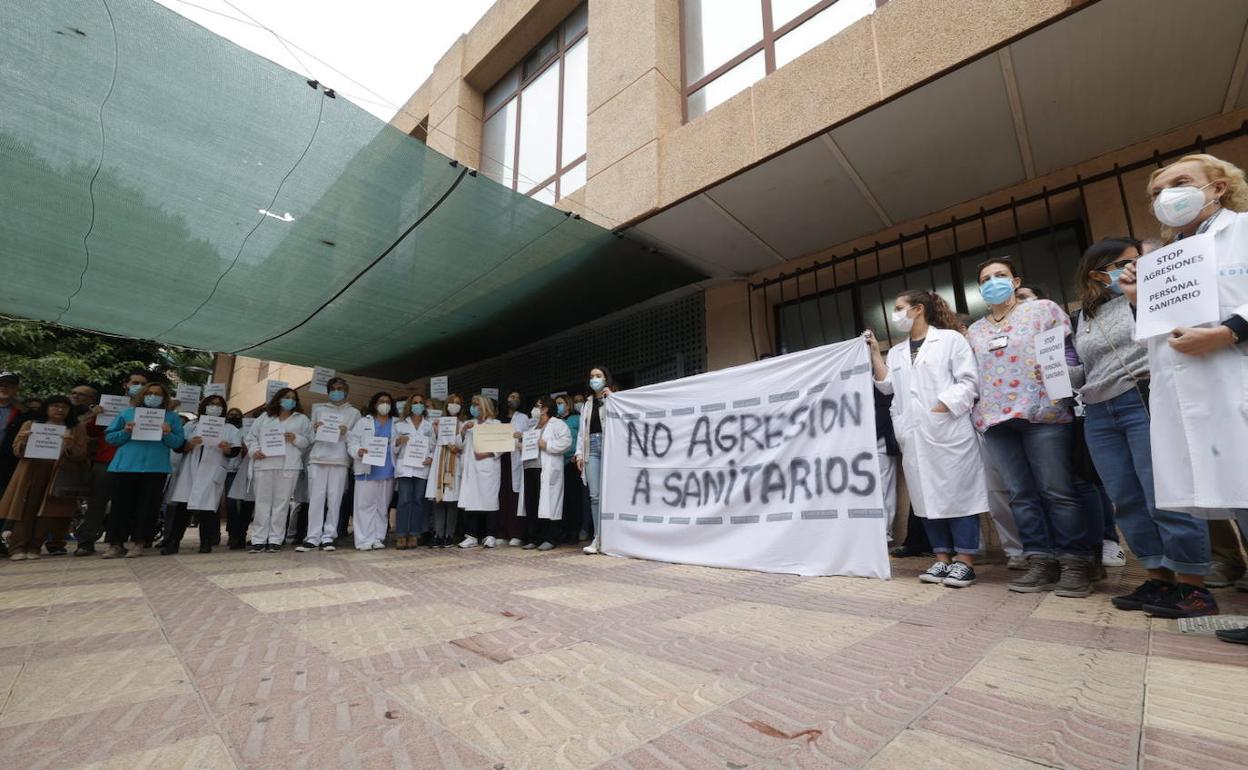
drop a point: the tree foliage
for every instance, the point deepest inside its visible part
(51, 358)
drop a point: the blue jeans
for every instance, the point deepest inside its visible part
(960, 535)
(1117, 436)
(412, 512)
(593, 480)
(1034, 460)
(1098, 509)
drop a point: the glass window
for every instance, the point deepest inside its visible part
(498, 150)
(718, 30)
(575, 100)
(727, 85)
(820, 27)
(524, 116)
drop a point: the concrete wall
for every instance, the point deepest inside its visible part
(247, 386)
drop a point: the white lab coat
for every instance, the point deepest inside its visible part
(332, 452)
(241, 488)
(404, 427)
(1199, 404)
(449, 488)
(292, 460)
(558, 437)
(520, 422)
(480, 480)
(358, 437)
(201, 475)
(939, 452)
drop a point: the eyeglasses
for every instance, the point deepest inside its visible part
(1119, 265)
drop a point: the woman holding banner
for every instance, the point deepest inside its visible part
(1199, 395)
(589, 447)
(932, 378)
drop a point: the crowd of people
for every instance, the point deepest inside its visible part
(1149, 445)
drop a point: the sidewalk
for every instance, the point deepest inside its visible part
(518, 659)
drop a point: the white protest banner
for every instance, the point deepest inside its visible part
(528, 449)
(273, 442)
(491, 393)
(211, 429)
(493, 437)
(44, 442)
(271, 387)
(1177, 286)
(447, 426)
(438, 388)
(148, 424)
(415, 452)
(110, 407)
(433, 413)
(188, 397)
(215, 389)
(377, 448)
(330, 428)
(770, 466)
(320, 380)
(1051, 358)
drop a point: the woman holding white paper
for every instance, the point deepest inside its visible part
(369, 443)
(201, 476)
(413, 440)
(28, 504)
(442, 490)
(511, 524)
(541, 503)
(482, 477)
(328, 465)
(933, 380)
(285, 431)
(139, 470)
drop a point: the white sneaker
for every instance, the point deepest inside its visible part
(592, 548)
(1112, 555)
(515, 541)
(328, 547)
(469, 542)
(490, 542)
(379, 546)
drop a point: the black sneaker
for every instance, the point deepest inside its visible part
(84, 550)
(1184, 602)
(272, 548)
(935, 573)
(255, 548)
(305, 546)
(1150, 592)
(960, 575)
(205, 549)
(57, 550)
(1234, 636)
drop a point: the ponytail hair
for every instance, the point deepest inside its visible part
(936, 311)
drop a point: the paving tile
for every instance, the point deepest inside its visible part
(191, 754)
(877, 592)
(284, 600)
(372, 633)
(917, 748)
(66, 594)
(271, 577)
(694, 572)
(600, 561)
(570, 708)
(595, 595)
(814, 634)
(1095, 610)
(500, 574)
(1198, 699)
(417, 564)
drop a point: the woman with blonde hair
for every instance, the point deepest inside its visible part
(481, 479)
(1199, 395)
(442, 489)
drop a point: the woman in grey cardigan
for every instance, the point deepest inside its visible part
(1113, 380)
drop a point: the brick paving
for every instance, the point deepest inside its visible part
(511, 659)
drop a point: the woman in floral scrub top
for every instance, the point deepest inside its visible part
(1029, 436)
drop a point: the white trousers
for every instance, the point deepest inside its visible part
(326, 484)
(888, 485)
(273, 490)
(372, 511)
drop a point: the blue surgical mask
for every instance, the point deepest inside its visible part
(996, 290)
(596, 384)
(337, 395)
(134, 389)
(153, 401)
(288, 404)
(418, 409)
(561, 409)
(474, 411)
(1114, 287)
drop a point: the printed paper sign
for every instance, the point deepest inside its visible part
(330, 430)
(447, 426)
(215, 389)
(211, 429)
(188, 397)
(415, 452)
(44, 442)
(148, 424)
(247, 423)
(490, 393)
(271, 387)
(769, 466)
(433, 413)
(438, 388)
(273, 442)
(111, 406)
(377, 447)
(529, 447)
(1051, 358)
(493, 437)
(1178, 286)
(320, 380)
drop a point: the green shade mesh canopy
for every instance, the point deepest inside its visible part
(158, 182)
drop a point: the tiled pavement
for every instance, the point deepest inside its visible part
(515, 659)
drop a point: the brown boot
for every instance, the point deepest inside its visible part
(114, 552)
(136, 550)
